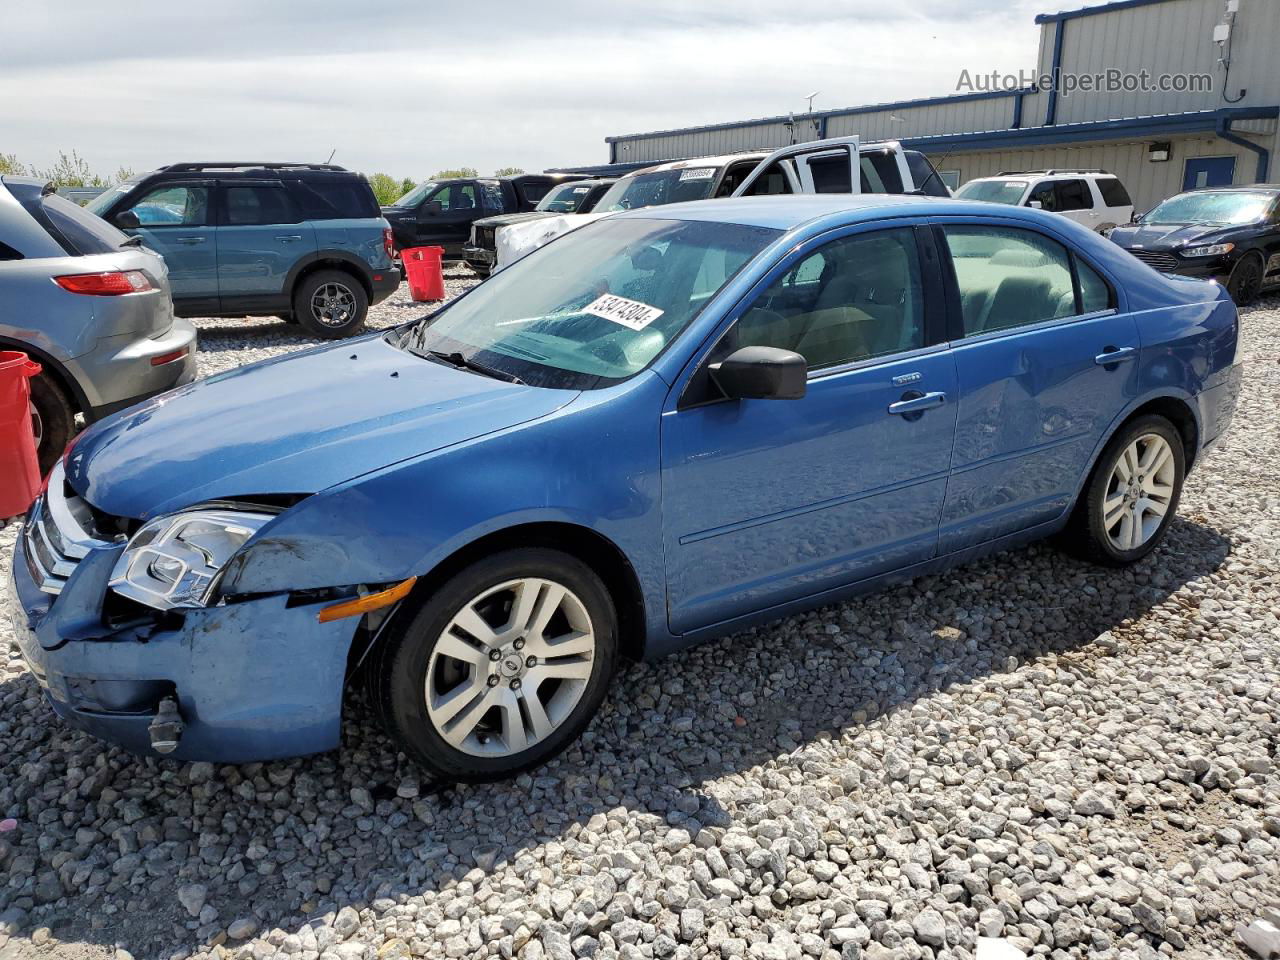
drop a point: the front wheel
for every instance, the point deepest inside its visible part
(1245, 282)
(501, 667)
(53, 420)
(1132, 494)
(330, 304)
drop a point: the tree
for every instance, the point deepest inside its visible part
(406, 185)
(9, 164)
(460, 172)
(507, 171)
(386, 188)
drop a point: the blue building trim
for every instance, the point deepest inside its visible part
(1223, 130)
(1016, 122)
(821, 115)
(1094, 11)
(1051, 109)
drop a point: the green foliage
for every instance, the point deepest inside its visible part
(508, 171)
(70, 171)
(388, 189)
(406, 185)
(9, 164)
(460, 172)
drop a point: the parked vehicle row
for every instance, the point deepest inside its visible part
(90, 305)
(1092, 198)
(653, 431)
(305, 242)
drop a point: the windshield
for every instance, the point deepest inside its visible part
(655, 189)
(564, 199)
(595, 306)
(1225, 208)
(993, 191)
(104, 200)
(414, 196)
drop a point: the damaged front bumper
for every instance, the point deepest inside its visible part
(253, 680)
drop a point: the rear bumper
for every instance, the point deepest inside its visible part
(119, 372)
(1218, 407)
(383, 284)
(257, 680)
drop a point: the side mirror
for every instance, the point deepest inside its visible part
(1035, 204)
(432, 208)
(761, 373)
(126, 220)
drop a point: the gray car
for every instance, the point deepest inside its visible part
(90, 305)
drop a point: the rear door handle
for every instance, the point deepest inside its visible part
(1114, 355)
(189, 239)
(289, 237)
(915, 402)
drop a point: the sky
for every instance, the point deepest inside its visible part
(412, 89)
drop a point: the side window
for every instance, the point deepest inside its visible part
(880, 173)
(173, 206)
(925, 178)
(8, 253)
(1073, 195)
(1044, 192)
(1113, 192)
(455, 196)
(853, 299)
(1009, 277)
(734, 176)
(256, 205)
(1095, 293)
(831, 174)
(491, 196)
(772, 181)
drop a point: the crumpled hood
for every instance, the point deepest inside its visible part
(505, 219)
(519, 239)
(294, 424)
(1166, 236)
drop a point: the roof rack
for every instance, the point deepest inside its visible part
(251, 164)
(1051, 173)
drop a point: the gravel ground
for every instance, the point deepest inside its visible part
(1079, 762)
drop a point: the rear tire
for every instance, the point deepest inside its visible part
(1245, 282)
(1132, 495)
(330, 304)
(53, 420)
(499, 668)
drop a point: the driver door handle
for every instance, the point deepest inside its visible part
(1113, 355)
(189, 239)
(289, 237)
(917, 404)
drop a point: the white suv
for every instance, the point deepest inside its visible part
(1093, 198)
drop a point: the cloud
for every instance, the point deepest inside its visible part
(411, 92)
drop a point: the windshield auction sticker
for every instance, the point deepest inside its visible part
(630, 313)
(698, 173)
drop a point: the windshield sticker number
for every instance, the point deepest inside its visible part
(697, 173)
(632, 314)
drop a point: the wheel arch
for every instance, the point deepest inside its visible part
(329, 260)
(1178, 410)
(61, 376)
(600, 553)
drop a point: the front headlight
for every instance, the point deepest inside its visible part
(1212, 250)
(174, 561)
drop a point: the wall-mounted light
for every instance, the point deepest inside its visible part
(1159, 152)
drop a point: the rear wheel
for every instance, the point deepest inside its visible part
(1132, 494)
(501, 667)
(330, 304)
(53, 420)
(1245, 282)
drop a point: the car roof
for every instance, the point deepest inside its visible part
(719, 161)
(1240, 188)
(790, 211)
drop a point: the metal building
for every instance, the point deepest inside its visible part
(1166, 135)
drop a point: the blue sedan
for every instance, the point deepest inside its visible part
(661, 428)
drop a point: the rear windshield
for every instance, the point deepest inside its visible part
(1113, 193)
(73, 228)
(334, 198)
(567, 198)
(658, 188)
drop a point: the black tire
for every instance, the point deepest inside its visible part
(399, 675)
(347, 319)
(56, 423)
(1086, 535)
(1245, 282)
(287, 318)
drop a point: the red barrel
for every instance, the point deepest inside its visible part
(19, 466)
(425, 272)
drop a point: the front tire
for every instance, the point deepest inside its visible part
(500, 668)
(330, 304)
(1245, 282)
(53, 420)
(1132, 494)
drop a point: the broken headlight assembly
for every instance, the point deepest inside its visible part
(174, 561)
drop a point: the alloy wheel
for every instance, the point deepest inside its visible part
(333, 304)
(510, 667)
(37, 425)
(1139, 492)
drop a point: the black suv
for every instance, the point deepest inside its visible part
(305, 242)
(439, 213)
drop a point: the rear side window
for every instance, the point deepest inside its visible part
(1095, 293)
(926, 178)
(1009, 277)
(1073, 195)
(1113, 192)
(533, 192)
(880, 173)
(8, 253)
(831, 174)
(334, 198)
(77, 231)
(254, 205)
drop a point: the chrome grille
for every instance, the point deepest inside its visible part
(1165, 262)
(58, 534)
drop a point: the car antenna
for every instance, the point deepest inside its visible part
(331, 153)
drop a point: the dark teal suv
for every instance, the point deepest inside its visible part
(304, 242)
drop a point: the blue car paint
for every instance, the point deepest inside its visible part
(408, 469)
